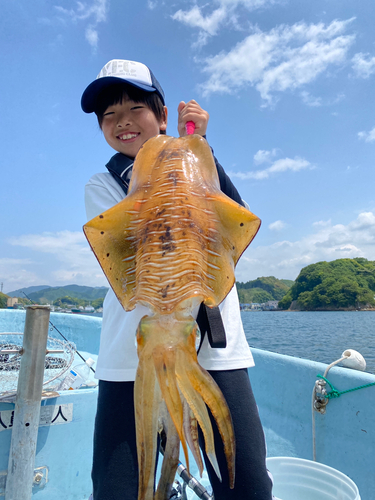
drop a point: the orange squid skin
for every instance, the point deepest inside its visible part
(171, 244)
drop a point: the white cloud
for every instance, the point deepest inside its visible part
(310, 100)
(92, 36)
(285, 259)
(195, 19)
(285, 58)
(281, 165)
(363, 65)
(322, 223)
(367, 136)
(16, 272)
(263, 156)
(223, 14)
(95, 12)
(278, 225)
(70, 261)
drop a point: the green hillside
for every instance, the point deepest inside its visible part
(86, 293)
(3, 300)
(27, 290)
(263, 289)
(341, 284)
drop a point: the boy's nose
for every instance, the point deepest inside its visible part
(123, 121)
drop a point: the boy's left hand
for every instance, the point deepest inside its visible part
(191, 111)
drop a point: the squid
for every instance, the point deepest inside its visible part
(170, 245)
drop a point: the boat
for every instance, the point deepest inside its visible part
(342, 437)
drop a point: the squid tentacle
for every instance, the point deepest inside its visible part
(147, 426)
(165, 365)
(170, 462)
(191, 434)
(204, 384)
(199, 409)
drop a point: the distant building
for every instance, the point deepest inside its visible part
(11, 302)
(244, 307)
(270, 305)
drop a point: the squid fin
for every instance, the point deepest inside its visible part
(111, 238)
(238, 226)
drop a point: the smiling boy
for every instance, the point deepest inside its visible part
(130, 106)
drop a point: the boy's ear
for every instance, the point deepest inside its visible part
(164, 120)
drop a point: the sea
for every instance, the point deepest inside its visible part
(319, 336)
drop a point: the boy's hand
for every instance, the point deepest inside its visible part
(191, 111)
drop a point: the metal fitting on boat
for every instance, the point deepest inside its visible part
(320, 401)
(40, 477)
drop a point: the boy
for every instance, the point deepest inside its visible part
(130, 106)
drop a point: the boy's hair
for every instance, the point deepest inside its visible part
(117, 92)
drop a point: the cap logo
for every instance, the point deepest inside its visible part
(129, 70)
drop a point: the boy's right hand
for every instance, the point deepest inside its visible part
(192, 111)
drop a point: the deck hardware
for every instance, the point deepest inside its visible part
(320, 397)
(320, 401)
(40, 477)
(39, 482)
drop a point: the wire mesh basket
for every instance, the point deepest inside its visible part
(59, 358)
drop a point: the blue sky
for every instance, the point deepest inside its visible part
(289, 86)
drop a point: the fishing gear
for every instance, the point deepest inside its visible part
(58, 331)
(178, 492)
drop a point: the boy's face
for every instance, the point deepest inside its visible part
(128, 125)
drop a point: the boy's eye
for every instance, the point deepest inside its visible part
(137, 107)
(109, 113)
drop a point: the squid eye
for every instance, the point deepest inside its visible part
(197, 338)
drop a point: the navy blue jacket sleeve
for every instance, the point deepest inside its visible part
(226, 184)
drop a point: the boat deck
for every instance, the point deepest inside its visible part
(345, 435)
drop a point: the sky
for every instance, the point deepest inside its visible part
(289, 87)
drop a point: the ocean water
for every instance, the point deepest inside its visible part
(319, 336)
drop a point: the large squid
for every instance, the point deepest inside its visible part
(171, 244)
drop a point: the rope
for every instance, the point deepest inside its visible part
(335, 393)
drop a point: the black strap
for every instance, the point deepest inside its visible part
(210, 321)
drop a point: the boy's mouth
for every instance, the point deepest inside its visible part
(128, 136)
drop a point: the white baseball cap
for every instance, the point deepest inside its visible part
(131, 72)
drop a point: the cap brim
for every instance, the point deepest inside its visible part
(90, 95)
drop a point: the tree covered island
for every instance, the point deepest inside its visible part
(343, 284)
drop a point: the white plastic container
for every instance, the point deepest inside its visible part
(77, 376)
(299, 479)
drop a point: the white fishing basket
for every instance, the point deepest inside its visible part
(59, 358)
